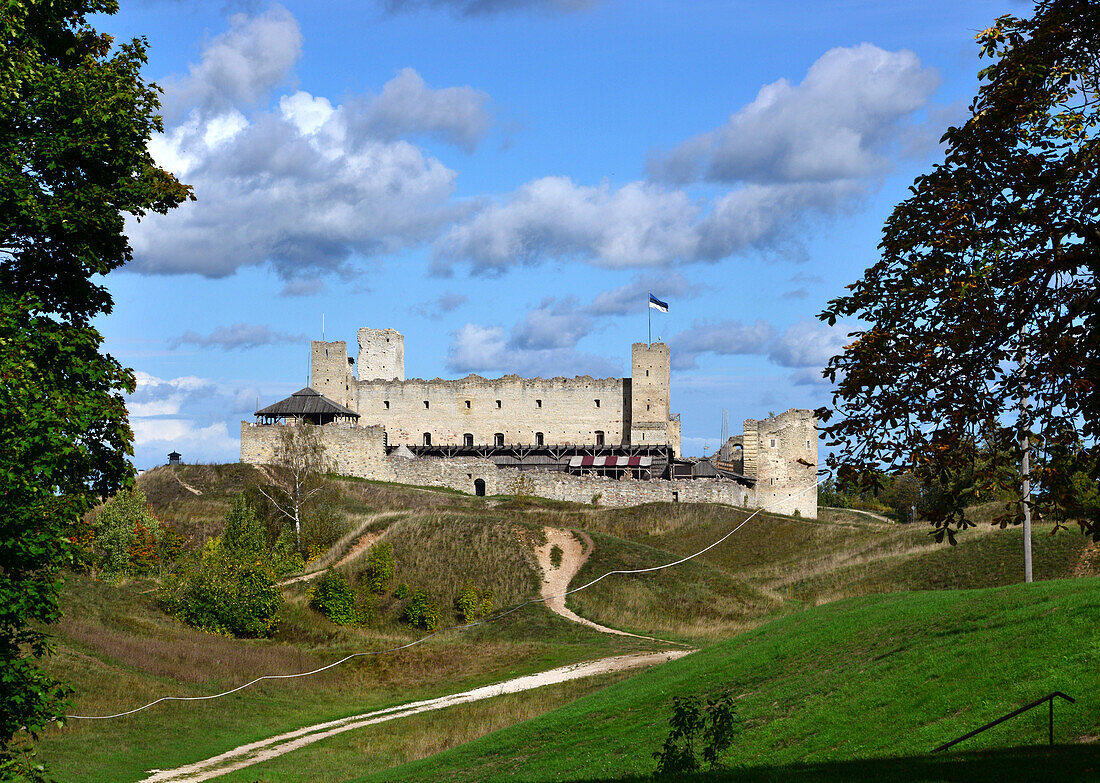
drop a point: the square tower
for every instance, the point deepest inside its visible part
(381, 355)
(649, 394)
(330, 372)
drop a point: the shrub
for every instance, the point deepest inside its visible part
(380, 568)
(717, 723)
(142, 552)
(245, 534)
(224, 594)
(401, 592)
(472, 604)
(114, 529)
(555, 556)
(333, 597)
(422, 611)
(323, 526)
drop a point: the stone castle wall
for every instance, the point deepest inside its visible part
(360, 452)
(564, 410)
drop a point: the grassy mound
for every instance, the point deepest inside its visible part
(853, 685)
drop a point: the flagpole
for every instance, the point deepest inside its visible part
(649, 310)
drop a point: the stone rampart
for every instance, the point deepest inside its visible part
(360, 452)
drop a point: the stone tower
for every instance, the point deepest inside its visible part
(649, 394)
(331, 373)
(781, 454)
(381, 355)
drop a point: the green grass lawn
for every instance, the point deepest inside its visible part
(857, 689)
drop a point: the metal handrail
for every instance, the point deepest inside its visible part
(1050, 698)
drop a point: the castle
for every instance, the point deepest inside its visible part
(613, 441)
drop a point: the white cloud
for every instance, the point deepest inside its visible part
(806, 345)
(240, 66)
(241, 335)
(407, 106)
(633, 297)
(638, 225)
(836, 125)
(305, 186)
(487, 350)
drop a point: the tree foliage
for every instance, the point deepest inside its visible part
(982, 311)
(299, 486)
(75, 121)
(694, 728)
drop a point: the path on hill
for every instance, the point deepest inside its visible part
(272, 747)
(555, 581)
(365, 541)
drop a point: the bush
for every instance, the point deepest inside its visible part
(555, 556)
(422, 611)
(333, 597)
(472, 604)
(225, 594)
(717, 723)
(114, 529)
(380, 568)
(401, 592)
(323, 526)
(245, 534)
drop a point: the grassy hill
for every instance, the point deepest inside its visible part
(871, 680)
(118, 650)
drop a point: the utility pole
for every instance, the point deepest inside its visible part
(1025, 463)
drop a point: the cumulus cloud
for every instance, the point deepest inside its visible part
(486, 7)
(305, 186)
(188, 414)
(241, 335)
(637, 225)
(835, 125)
(407, 106)
(804, 345)
(240, 66)
(488, 350)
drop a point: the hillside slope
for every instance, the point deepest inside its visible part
(878, 677)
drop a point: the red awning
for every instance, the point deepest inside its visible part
(610, 462)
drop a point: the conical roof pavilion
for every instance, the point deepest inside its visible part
(306, 404)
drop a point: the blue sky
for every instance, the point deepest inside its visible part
(504, 181)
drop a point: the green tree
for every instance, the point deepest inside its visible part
(245, 534)
(333, 597)
(115, 528)
(300, 464)
(981, 337)
(75, 121)
(380, 568)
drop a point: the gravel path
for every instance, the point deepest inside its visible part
(555, 582)
(272, 747)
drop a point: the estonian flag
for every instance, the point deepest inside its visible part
(657, 304)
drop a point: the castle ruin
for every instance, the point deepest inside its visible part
(609, 440)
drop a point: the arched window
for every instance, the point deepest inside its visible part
(468, 439)
(498, 440)
(538, 439)
(599, 437)
(479, 487)
(427, 439)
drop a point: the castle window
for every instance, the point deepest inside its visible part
(538, 403)
(386, 404)
(597, 403)
(599, 437)
(498, 440)
(538, 439)
(425, 404)
(427, 439)
(498, 403)
(647, 407)
(467, 404)
(807, 444)
(772, 443)
(647, 373)
(468, 440)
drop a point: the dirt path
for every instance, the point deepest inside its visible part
(272, 747)
(555, 581)
(363, 543)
